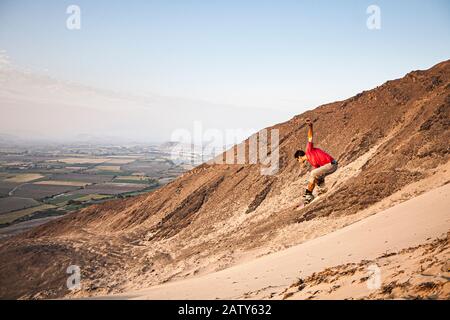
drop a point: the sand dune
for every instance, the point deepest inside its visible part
(406, 225)
(211, 223)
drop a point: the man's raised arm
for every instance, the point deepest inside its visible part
(310, 130)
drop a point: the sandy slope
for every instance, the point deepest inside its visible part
(391, 143)
(408, 224)
(421, 272)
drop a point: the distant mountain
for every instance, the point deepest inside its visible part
(9, 140)
(7, 137)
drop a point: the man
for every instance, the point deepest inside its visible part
(323, 163)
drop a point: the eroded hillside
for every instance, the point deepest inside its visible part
(385, 140)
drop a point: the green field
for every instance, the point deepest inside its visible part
(91, 197)
(62, 199)
(13, 216)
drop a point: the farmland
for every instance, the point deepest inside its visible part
(42, 181)
(9, 204)
(62, 183)
(8, 218)
(20, 178)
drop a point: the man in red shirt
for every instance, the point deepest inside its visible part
(323, 163)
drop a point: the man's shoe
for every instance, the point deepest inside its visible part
(321, 182)
(307, 197)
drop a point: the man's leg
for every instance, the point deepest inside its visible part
(311, 186)
(320, 181)
(320, 174)
(308, 196)
(313, 177)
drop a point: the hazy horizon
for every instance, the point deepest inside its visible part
(49, 109)
(140, 70)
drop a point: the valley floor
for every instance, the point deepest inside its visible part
(405, 246)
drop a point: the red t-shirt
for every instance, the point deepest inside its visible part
(316, 156)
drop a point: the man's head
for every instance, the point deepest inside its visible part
(300, 156)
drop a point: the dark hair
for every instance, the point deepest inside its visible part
(299, 153)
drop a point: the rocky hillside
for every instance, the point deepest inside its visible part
(385, 140)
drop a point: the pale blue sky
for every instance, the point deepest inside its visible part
(290, 55)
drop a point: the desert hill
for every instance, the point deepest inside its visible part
(391, 143)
